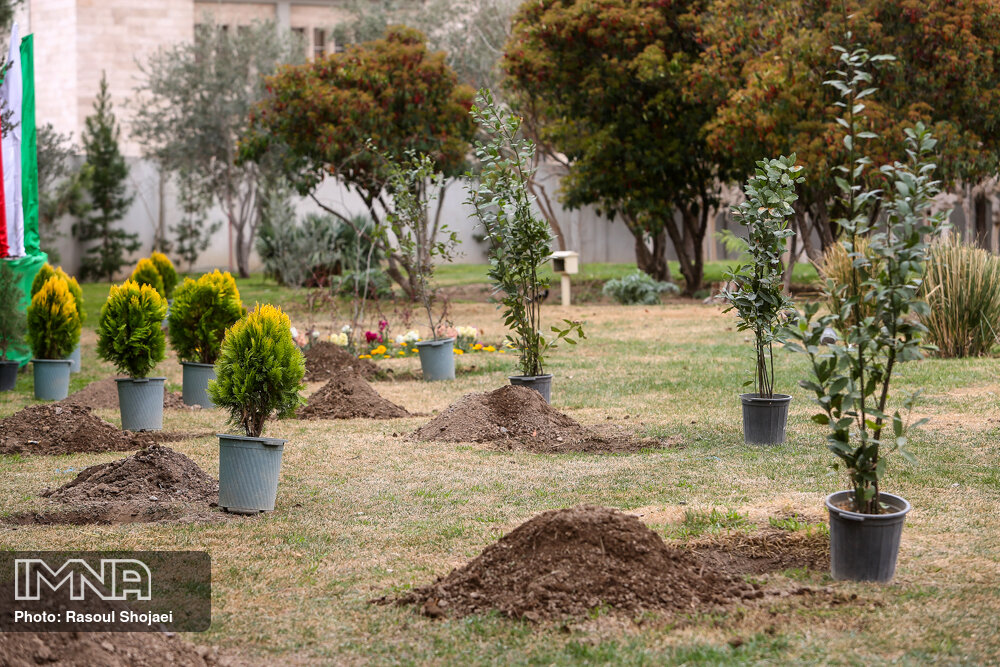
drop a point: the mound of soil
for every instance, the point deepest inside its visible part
(60, 428)
(564, 563)
(324, 360)
(103, 395)
(349, 396)
(519, 418)
(763, 551)
(157, 474)
(113, 649)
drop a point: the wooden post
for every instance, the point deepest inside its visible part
(564, 284)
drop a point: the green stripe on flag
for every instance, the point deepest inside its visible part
(29, 147)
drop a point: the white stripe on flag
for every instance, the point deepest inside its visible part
(12, 92)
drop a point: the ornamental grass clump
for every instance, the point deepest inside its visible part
(837, 269)
(146, 273)
(53, 320)
(759, 298)
(167, 273)
(129, 334)
(962, 290)
(520, 242)
(48, 271)
(259, 370)
(13, 322)
(202, 311)
(852, 381)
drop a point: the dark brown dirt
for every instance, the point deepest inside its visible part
(55, 428)
(564, 563)
(324, 360)
(519, 418)
(103, 395)
(764, 551)
(110, 649)
(349, 396)
(157, 474)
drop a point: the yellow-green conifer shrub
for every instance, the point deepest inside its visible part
(259, 371)
(202, 311)
(46, 272)
(167, 272)
(146, 273)
(129, 332)
(53, 320)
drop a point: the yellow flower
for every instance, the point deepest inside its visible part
(477, 346)
(386, 356)
(364, 356)
(458, 351)
(502, 352)
(402, 353)
(403, 343)
(490, 348)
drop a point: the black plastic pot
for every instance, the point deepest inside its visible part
(864, 547)
(540, 383)
(8, 374)
(764, 419)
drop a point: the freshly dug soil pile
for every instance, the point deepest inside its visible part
(349, 396)
(103, 395)
(563, 563)
(324, 360)
(60, 428)
(519, 418)
(112, 649)
(764, 551)
(157, 474)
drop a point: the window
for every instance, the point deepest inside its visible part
(300, 39)
(319, 42)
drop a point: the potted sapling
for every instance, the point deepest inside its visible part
(852, 380)
(169, 276)
(53, 332)
(13, 326)
(46, 272)
(258, 375)
(130, 337)
(519, 241)
(202, 311)
(422, 242)
(757, 293)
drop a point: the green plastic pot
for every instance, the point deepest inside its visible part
(195, 388)
(248, 473)
(437, 359)
(141, 403)
(51, 378)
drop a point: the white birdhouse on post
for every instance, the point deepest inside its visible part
(565, 263)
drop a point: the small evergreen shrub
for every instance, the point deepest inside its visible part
(962, 290)
(146, 273)
(13, 323)
(259, 371)
(129, 333)
(53, 320)
(167, 272)
(46, 272)
(638, 288)
(202, 311)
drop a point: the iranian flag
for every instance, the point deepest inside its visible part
(19, 236)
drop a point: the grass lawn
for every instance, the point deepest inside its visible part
(362, 512)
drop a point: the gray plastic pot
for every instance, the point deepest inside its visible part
(8, 374)
(51, 378)
(195, 389)
(764, 419)
(864, 547)
(248, 473)
(141, 403)
(437, 359)
(74, 357)
(540, 383)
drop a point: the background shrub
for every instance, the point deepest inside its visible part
(836, 267)
(13, 323)
(146, 273)
(167, 272)
(962, 288)
(53, 320)
(202, 311)
(46, 272)
(259, 371)
(638, 288)
(129, 333)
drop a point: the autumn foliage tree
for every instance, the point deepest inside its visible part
(608, 83)
(338, 116)
(769, 63)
